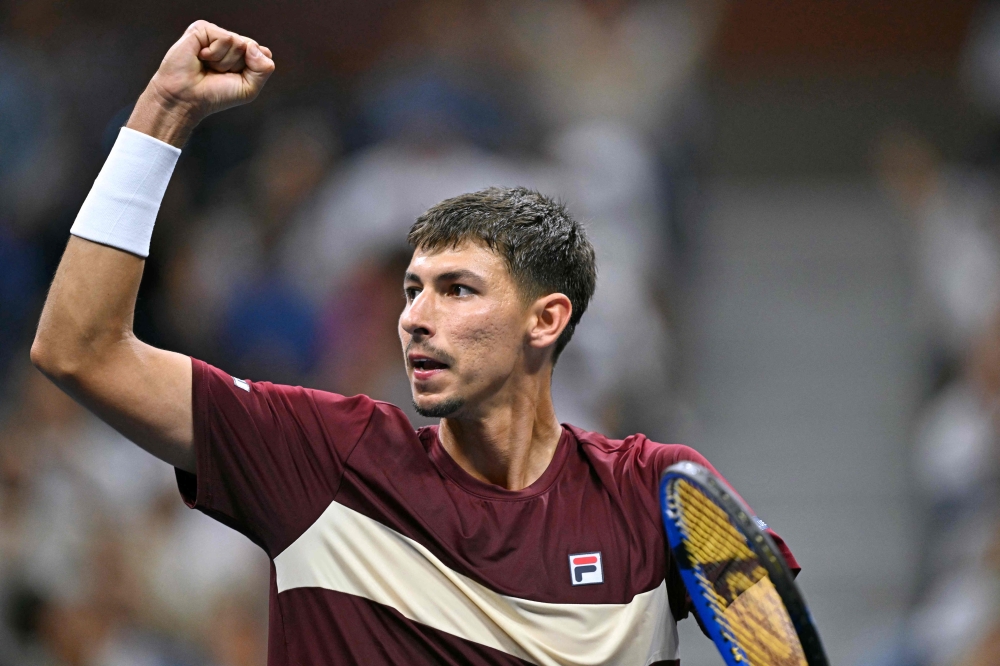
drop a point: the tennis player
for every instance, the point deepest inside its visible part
(496, 537)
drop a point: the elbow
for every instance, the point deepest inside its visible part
(43, 358)
(72, 361)
(37, 354)
(54, 363)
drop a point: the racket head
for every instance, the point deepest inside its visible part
(740, 584)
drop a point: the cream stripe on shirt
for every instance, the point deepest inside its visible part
(348, 552)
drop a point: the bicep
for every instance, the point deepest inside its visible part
(145, 394)
(85, 344)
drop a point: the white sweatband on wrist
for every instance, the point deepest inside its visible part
(122, 205)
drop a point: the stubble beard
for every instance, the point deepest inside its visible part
(442, 409)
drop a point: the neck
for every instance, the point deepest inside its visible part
(511, 444)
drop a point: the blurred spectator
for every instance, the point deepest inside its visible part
(957, 470)
(84, 533)
(369, 203)
(627, 61)
(237, 631)
(984, 649)
(361, 349)
(615, 377)
(68, 476)
(981, 59)
(36, 150)
(228, 297)
(34, 166)
(954, 210)
(616, 82)
(20, 282)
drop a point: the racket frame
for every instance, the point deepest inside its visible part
(758, 541)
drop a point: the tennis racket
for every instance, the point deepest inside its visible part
(741, 586)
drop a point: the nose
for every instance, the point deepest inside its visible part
(418, 316)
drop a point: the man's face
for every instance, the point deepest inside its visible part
(463, 328)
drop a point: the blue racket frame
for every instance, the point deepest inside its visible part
(690, 574)
(759, 542)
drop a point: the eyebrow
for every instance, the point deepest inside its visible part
(457, 274)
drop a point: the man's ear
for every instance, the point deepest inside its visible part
(550, 316)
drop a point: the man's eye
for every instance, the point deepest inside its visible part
(411, 293)
(461, 290)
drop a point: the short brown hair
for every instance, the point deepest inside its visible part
(546, 250)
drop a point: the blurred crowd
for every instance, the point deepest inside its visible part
(955, 210)
(279, 253)
(953, 207)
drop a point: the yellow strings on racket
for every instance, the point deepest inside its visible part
(734, 584)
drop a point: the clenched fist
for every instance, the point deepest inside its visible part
(207, 70)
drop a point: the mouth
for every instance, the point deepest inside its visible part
(425, 367)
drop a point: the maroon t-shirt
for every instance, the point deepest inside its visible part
(385, 551)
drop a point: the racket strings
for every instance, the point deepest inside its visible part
(747, 608)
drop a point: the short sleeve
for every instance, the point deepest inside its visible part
(654, 459)
(269, 458)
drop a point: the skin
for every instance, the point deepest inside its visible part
(84, 341)
(463, 308)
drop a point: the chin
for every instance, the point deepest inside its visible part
(438, 409)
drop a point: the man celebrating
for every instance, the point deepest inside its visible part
(497, 537)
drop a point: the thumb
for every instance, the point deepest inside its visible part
(258, 68)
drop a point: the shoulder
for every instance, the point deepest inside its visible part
(273, 407)
(636, 453)
(631, 468)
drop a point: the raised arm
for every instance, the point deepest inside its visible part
(84, 341)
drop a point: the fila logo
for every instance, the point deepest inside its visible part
(586, 569)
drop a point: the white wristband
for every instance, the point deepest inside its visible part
(122, 205)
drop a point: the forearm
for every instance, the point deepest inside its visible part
(85, 345)
(90, 306)
(84, 340)
(91, 302)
